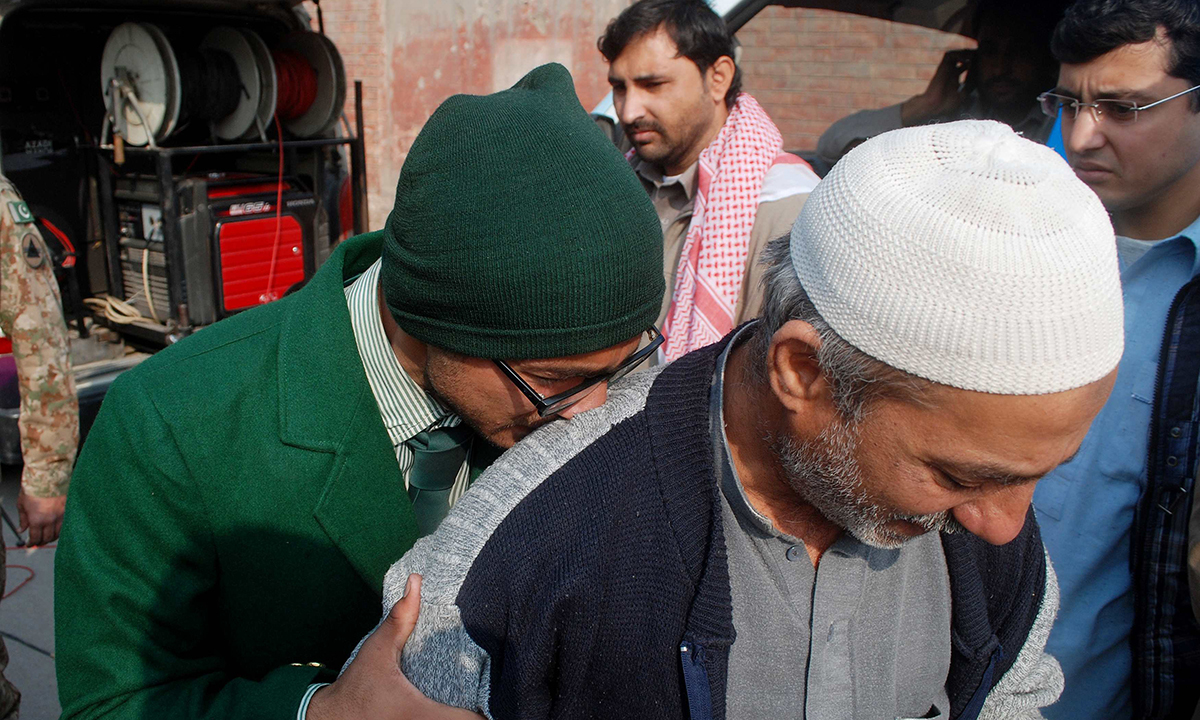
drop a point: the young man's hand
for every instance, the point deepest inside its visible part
(373, 686)
(41, 516)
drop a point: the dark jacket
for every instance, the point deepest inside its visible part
(585, 575)
(1166, 636)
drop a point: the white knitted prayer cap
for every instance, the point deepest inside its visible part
(966, 255)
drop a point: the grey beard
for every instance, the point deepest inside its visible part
(825, 472)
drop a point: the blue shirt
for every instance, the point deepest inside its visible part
(1086, 507)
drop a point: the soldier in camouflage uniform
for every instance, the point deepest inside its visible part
(31, 316)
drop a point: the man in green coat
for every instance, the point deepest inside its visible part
(243, 492)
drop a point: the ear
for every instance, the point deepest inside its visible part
(720, 77)
(796, 379)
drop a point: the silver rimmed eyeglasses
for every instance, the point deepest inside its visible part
(1123, 112)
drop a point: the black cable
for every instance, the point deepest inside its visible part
(211, 84)
(8, 521)
(27, 644)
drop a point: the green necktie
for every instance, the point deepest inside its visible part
(437, 456)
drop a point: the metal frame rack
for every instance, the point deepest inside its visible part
(169, 200)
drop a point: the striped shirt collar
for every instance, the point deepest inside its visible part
(406, 408)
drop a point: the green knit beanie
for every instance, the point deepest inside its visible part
(519, 230)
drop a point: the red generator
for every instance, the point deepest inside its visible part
(238, 242)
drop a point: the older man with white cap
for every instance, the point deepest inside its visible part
(826, 514)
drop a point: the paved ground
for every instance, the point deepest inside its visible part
(29, 616)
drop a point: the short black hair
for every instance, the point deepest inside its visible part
(1091, 28)
(699, 33)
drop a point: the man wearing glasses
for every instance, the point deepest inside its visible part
(243, 492)
(1115, 519)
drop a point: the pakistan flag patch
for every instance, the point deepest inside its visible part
(19, 212)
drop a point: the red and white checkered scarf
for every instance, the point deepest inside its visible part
(712, 264)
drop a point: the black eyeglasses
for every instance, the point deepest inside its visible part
(557, 403)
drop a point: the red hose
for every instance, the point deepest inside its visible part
(21, 584)
(69, 260)
(270, 294)
(297, 84)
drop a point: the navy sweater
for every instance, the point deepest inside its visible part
(585, 574)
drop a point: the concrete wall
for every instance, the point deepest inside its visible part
(807, 67)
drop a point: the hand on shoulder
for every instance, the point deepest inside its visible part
(373, 685)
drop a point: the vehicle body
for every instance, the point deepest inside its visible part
(56, 146)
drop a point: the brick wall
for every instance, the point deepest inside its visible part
(809, 68)
(412, 54)
(356, 27)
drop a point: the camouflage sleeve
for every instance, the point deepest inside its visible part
(31, 316)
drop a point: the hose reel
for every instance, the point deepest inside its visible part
(154, 87)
